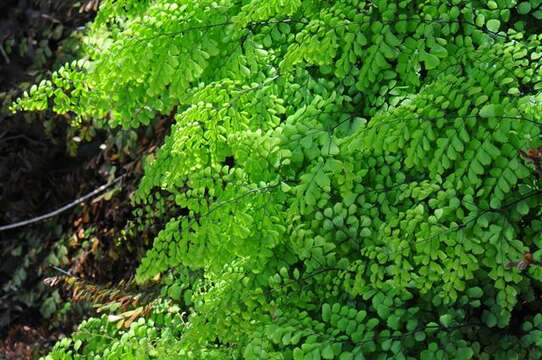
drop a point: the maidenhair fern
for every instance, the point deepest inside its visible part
(349, 170)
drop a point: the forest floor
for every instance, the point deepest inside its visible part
(44, 164)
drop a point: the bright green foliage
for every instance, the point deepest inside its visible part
(350, 171)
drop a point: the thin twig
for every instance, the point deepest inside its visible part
(21, 136)
(4, 54)
(62, 209)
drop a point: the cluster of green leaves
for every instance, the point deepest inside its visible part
(99, 338)
(25, 261)
(348, 173)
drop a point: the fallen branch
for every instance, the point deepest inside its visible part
(62, 209)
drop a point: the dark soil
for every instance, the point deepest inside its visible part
(37, 175)
(36, 172)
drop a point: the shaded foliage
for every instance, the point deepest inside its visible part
(347, 175)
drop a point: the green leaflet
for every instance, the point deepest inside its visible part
(493, 25)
